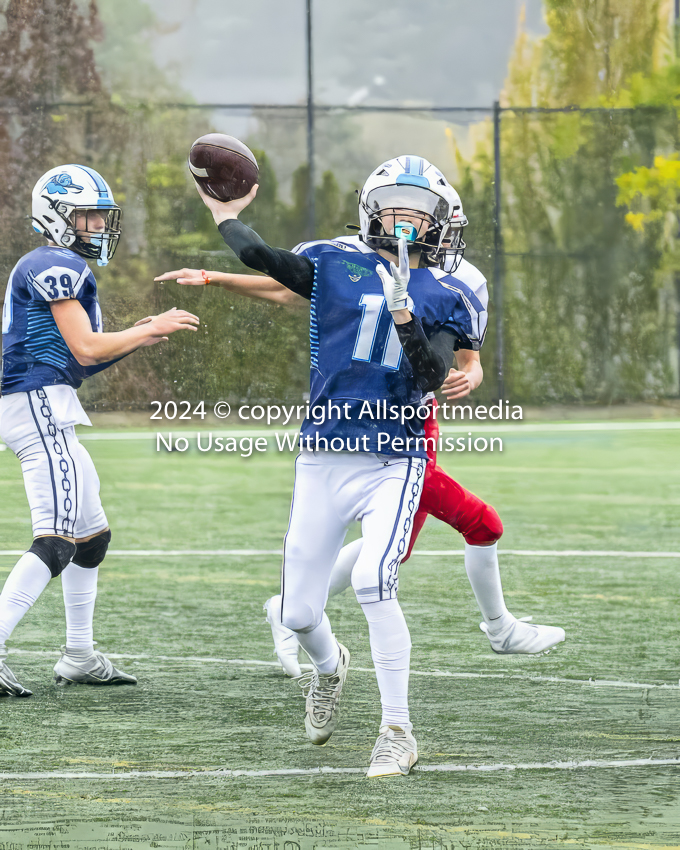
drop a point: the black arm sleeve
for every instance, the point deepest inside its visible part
(428, 366)
(294, 272)
(443, 341)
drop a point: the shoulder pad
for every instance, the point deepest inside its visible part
(469, 274)
(342, 243)
(468, 277)
(56, 274)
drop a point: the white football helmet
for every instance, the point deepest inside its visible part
(409, 198)
(65, 190)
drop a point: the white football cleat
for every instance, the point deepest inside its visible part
(9, 686)
(322, 691)
(286, 644)
(89, 669)
(520, 638)
(394, 754)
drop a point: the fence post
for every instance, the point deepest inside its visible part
(498, 251)
(311, 199)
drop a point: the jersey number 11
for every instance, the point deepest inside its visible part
(373, 306)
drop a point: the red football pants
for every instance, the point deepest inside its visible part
(446, 500)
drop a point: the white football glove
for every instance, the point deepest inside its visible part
(395, 285)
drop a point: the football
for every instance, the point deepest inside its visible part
(222, 166)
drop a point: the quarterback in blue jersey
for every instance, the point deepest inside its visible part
(384, 319)
(52, 340)
(442, 497)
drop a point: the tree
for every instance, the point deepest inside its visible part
(582, 300)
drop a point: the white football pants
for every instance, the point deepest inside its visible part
(61, 482)
(332, 490)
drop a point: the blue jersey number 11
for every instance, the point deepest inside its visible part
(373, 306)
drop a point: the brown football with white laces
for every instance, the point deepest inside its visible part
(223, 166)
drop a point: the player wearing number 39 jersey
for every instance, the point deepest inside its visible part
(52, 340)
(34, 353)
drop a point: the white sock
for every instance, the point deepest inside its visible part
(391, 653)
(481, 564)
(321, 646)
(79, 585)
(341, 574)
(23, 586)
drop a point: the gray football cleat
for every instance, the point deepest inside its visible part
(394, 754)
(322, 691)
(286, 644)
(9, 686)
(77, 667)
(520, 638)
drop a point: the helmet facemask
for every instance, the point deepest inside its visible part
(414, 213)
(452, 247)
(80, 229)
(92, 241)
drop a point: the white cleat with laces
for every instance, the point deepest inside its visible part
(520, 638)
(394, 754)
(9, 686)
(286, 644)
(89, 668)
(322, 692)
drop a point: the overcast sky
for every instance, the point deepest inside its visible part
(417, 53)
(429, 52)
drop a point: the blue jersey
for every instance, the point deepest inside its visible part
(34, 353)
(357, 362)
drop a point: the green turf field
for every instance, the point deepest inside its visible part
(569, 749)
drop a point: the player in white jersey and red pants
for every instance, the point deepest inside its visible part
(356, 354)
(51, 341)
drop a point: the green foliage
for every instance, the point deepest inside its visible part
(586, 299)
(588, 302)
(593, 50)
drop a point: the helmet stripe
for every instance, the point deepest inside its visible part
(413, 173)
(105, 199)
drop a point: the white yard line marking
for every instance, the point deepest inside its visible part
(439, 553)
(315, 771)
(436, 674)
(173, 553)
(537, 427)
(460, 426)
(576, 553)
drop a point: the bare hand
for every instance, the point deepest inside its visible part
(187, 277)
(456, 385)
(223, 210)
(168, 323)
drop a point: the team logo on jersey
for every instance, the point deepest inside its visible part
(356, 272)
(61, 185)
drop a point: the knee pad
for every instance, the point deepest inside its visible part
(54, 552)
(451, 503)
(299, 616)
(92, 552)
(488, 528)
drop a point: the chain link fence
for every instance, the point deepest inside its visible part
(583, 309)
